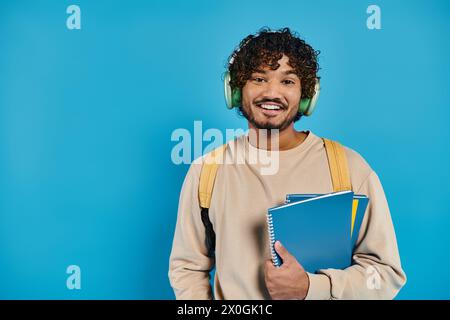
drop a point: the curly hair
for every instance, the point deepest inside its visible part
(265, 48)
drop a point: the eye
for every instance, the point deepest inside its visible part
(288, 82)
(258, 79)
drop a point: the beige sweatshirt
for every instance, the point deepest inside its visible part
(241, 197)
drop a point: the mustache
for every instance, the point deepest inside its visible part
(273, 101)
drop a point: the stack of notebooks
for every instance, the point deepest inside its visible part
(319, 230)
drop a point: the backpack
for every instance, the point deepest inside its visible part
(337, 162)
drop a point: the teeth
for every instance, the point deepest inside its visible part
(270, 107)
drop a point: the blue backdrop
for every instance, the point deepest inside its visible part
(86, 117)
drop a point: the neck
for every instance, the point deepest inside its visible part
(287, 139)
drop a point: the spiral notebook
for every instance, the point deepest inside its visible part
(359, 207)
(314, 230)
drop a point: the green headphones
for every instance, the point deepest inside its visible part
(233, 97)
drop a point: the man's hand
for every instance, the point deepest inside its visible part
(290, 281)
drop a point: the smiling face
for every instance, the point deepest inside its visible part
(270, 98)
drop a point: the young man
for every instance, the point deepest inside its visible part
(273, 71)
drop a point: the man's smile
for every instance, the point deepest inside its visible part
(270, 109)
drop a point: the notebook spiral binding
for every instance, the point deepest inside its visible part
(275, 259)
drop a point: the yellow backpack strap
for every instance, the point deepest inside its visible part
(337, 161)
(208, 175)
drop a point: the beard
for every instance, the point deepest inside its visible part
(267, 124)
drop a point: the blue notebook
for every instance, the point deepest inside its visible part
(314, 230)
(359, 207)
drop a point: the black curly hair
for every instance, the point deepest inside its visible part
(264, 49)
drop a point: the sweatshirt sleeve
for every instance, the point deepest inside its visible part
(189, 265)
(376, 271)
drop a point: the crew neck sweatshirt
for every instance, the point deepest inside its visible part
(243, 191)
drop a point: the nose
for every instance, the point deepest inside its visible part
(272, 91)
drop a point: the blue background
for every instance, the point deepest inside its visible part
(86, 118)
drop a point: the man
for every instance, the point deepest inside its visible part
(274, 71)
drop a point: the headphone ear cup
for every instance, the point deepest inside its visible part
(308, 105)
(232, 96)
(303, 107)
(236, 98)
(227, 90)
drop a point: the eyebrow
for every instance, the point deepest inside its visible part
(290, 71)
